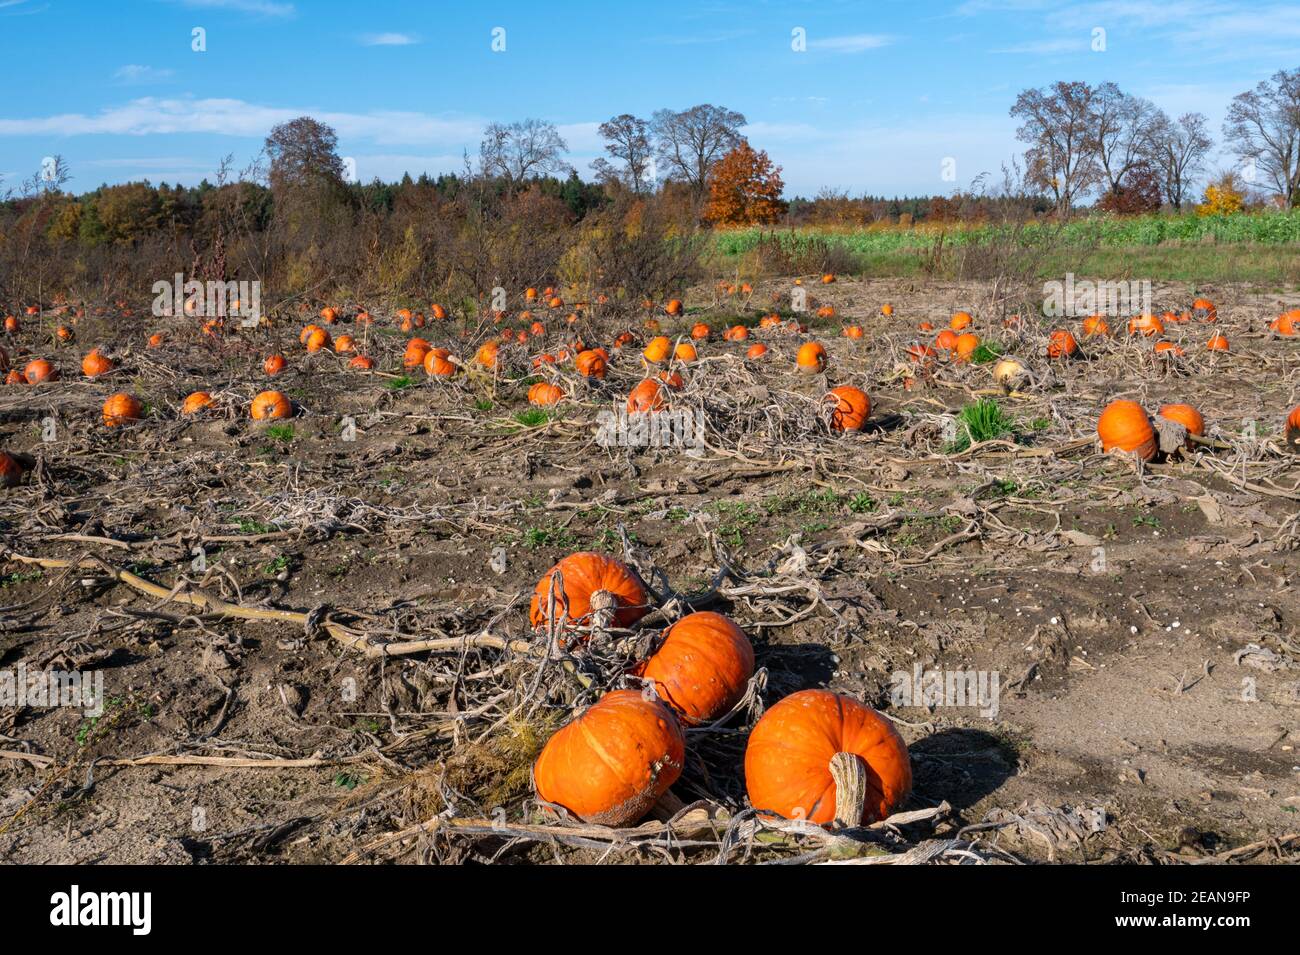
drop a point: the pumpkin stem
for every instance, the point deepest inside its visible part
(603, 600)
(1173, 435)
(602, 603)
(850, 775)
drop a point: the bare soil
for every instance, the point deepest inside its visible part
(1115, 602)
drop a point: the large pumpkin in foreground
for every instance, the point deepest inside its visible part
(788, 759)
(611, 764)
(702, 667)
(1125, 426)
(591, 578)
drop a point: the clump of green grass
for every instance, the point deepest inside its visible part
(982, 421)
(398, 384)
(532, 417)
(985, 353)
(280, 432)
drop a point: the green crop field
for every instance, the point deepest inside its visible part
(1255, 247)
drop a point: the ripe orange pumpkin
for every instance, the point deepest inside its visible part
(592, 363)
(756, 350)
(544, 393)
(1288, 323)
(853, 331)
(684, 352)
(329, 315)
(1217, 342)
(95, 363)
(11, 470)
(269, 405)
(63, 333)
(307, 332)
(586, 575)
(965, 346)
(437, 363)
(343, 344)
(828, 278)
(416, 350)
(40, 370)
(317, 341)
(811, 358)
(1061, 344)
(702, 666)
(959, 321)
(658, 349)
(647, 396)
(1292, 430)
(674, 307)
(487, 354)
(1125, 426)
(1185, 415)
(946, 340)
(362, 362)
(699, 331)
(789, 755)
(1147, 325)
(11, 324)
(1095, 325)
(610, 765)
(121, 408)
(1167, 349)
(852, 408)
(274, 364)
(1204, 309)
(156, 340)
(196, 402)
(736, 333)
(886, 310)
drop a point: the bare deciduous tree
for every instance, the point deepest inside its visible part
(1178, 150)
(1263, 125)
(690, 142)
(1121, 133)
(516, 151)
(1058, 124)
(627, 139)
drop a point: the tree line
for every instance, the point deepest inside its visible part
(1081, 137)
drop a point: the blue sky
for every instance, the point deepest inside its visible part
(884, 92)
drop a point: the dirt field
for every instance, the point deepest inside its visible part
(1142, 622)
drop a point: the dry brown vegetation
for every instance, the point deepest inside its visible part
(314, 633)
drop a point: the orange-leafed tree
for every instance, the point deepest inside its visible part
(744, 188)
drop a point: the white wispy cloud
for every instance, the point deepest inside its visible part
(1046, 47)
(700, 38)
(18, 8)
(388, 39)
(855, 43)
(234, 117)
(265, 8)
(135, 73)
